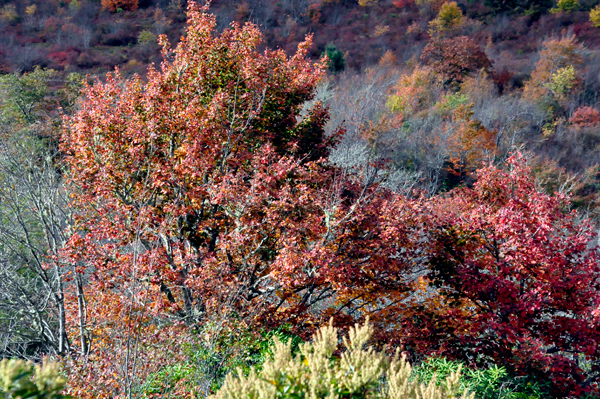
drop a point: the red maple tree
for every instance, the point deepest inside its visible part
(514, 279)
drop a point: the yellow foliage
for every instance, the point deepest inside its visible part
(9, 13)
(365, 3)
(381, 30)
(556, 55)
(450, 16)
(413, 92)
(317, 373)
(31, 9)
(595, 16)
(20, 379)
(563, 81)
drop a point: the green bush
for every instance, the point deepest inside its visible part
(208, 361)
(491, 383)
(24, 380)
(336, 62)
(317, 372)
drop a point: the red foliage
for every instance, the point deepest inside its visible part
(502, 79)
(402, 3)
(585, 117)
(207, 183)
(454, 58)
(514, 281)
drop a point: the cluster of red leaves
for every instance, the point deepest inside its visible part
(517, 278)
(454, 58)
(210, 183)
(205, 191)
(585, 117)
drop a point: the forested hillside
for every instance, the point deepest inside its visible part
(191, 189)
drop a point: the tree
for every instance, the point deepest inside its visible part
(19, 379)
(532, 7)
(471, 144)
(335, 58)
(414, 92)
(566, 6)
(207, 189)
(585, 117)
(453, 59)
(450, 16)
(114, 5)
(595, 16)
(35, 215)
(555, 73)
(514, 276)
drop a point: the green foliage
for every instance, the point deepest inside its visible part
(335, 58)
(318, 372)
(527, 7)
(24, 97)
(491, 383)
(146, 37)
(450, 102)
(566, 6)
(74, 6)
(23, 380)
(210, 360)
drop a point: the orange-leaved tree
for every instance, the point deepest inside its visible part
(115, 5)
(206, 190)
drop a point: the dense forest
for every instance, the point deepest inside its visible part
(300, 199)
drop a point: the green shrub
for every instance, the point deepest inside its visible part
(146, 37)
(317, 372)
(336, 62)
(24, 380)
(491, 383)
(211, 355)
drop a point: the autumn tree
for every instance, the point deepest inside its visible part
(413, 93)
(514, 279)
(595, 16)
(114, 5)
(555, 74)
(207, 191)
(449, 17)
(471, 144)
(453, 59)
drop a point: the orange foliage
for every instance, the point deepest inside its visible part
(471, 144)
(114, 5)
(585, 117)
(555, 55)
